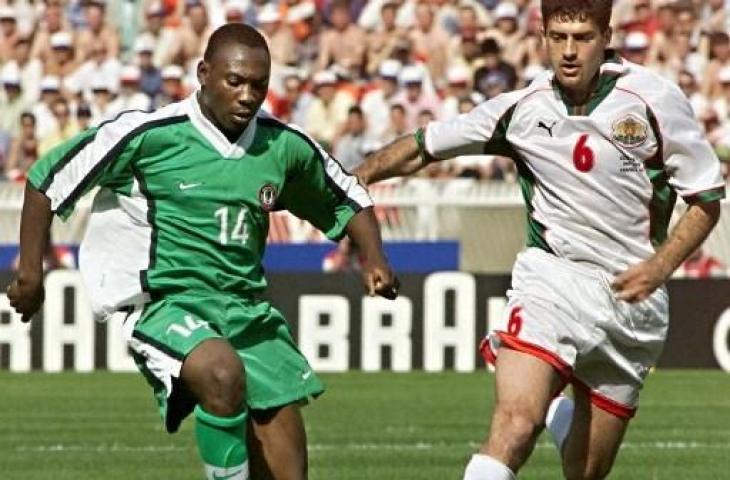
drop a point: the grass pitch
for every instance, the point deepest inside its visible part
(367, 426)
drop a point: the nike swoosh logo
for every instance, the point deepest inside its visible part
(188, 186)
(306, 375)
(230, 475)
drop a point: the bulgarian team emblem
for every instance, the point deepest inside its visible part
(630, 131)
(267, 197)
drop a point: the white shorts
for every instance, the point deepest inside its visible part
(567, 315)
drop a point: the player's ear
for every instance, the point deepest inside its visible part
(203, 70)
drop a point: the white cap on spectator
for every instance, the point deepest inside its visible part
(389, 68)
(101, 83)
(155, 8)
(6, 11)
(301, 11)
(506, 10)
(50, 83)
(269, 13)
(129, 73)
(144, 43)
(532, 71)
(10, 74)
(62, 40)
(724, 75)
(72, 84)
(411, 74)
(457, 74)
(235, 8)
(636, 41)
(172, 72)
(325, 77)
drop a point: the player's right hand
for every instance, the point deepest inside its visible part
(26, 294)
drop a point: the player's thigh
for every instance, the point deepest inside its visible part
(594, 439)
(277, 444)
(214, 374)
(277, 373)
(525, 381)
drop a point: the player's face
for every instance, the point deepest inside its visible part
(233, 87)
(576, 51)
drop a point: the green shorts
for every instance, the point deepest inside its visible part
(164, 332)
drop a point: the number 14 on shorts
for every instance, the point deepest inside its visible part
(190, 325)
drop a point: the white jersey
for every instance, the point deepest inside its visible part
(600, 181)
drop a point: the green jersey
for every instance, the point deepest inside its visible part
(183, 209)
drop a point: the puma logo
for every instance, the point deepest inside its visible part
(549, 129)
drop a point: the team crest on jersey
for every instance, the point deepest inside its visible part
(267, 197)
(630, 131)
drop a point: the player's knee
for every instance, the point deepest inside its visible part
(589, 469)
(515, 427)
(224, 395)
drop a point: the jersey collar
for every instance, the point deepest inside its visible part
(612, 68)
(215, 136)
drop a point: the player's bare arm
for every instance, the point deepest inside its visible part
(26, 291)
(639, 281)
(378, 277)
(399, 158)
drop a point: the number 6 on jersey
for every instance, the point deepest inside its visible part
(583, 156)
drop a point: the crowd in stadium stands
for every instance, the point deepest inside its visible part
(354, 74)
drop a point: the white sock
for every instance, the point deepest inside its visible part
(558, 419)
(484, 467)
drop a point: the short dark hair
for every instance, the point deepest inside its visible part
(356, 110)
(27, 115)
(397, 106)
(578, 10)
(232, 34)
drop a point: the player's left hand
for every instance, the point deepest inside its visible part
(640, 280)
(379, 279)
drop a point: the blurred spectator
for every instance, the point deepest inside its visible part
(688, 84)
(172, 86)
(384, 38)
(130, 97)
(53, 21)
(507, 34)
(397, 125)
(66, 127)
(370, 18)
(23, 150)
(150, 79)
(349, 147)
(376, 103)
(328, 112)
(163, 38)
(722, 104)
(98, 65)
(493, 63)
(30, 69)
(701, 265)
(430, 41)
(636, 47)
(296, 100)
(61, 63)
(96, 32)
(413, 96)
(103, 89)
(8, 32)
(193, 33)
(719, 58)
(458, 87)
(83, 116)
(714, 16)
(344, 43)
(12, 104)
(279, 36)
(42, 111)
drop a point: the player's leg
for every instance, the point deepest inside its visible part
(277, 444)
(213, 373)
(525, 385)
(593, 440)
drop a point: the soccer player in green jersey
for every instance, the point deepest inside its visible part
(176, 239)
(603, 148)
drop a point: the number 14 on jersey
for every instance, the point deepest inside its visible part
(239, 233)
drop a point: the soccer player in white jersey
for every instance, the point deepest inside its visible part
(176, 239)
(602, 148)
